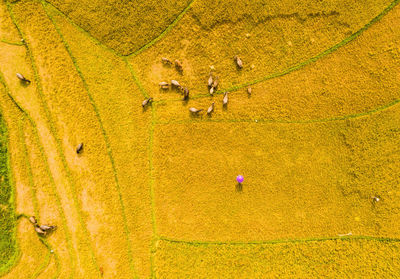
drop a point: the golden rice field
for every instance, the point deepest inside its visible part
(153, 194)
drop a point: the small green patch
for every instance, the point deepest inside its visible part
(8, 251)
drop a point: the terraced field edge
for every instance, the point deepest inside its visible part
(9, 253)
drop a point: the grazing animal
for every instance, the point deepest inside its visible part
(185, 94)
(39, 231)
(47, 228)
(195, 110)
(249, 90)
(33, 220)
(164, 85)
(210, 109)
(175, 84)
(101, 269)
(79, 148)
(238, 61)
(178, 66)
(225, 99)
(210, 81)
(22, 78)
(166, 61)
(215, 83)
(147, 101)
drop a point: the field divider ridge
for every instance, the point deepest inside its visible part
(151, 167)
(266, 121)
(278, 241)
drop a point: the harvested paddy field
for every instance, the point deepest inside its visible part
(153, 191)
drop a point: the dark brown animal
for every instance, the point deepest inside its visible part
(185, 94)
(79, 149)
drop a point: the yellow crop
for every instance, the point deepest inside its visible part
(153, 194)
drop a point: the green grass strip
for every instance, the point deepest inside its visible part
(58, 142)
(42, 267)
(152, 192)
(56, 258)
(135, 78)
(21, 129)
(266, 121)
(151, 167)
(165, 32)
(9, 179)
(278, 241)
(58, 201)
(11, 43)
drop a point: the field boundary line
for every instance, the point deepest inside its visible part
(54, 188)
(152, 192)
(11, 43)
(138, 51)
(32, 187)
(268, 121)
(165, 32)
(34, 129)
(22, 139)
(43, 266)
(135, 78)
(151, 167)
(127, 233)
(94, 39)
(300, 65)
(44, 241)
(280, 241)
(56, 258)
(21, 128)
(54, 132)
(6, 267)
